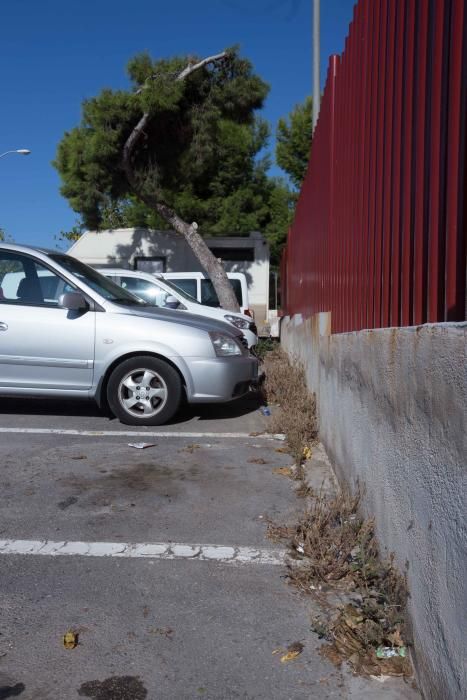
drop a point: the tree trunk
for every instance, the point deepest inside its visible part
(208, 262)
(211, 265)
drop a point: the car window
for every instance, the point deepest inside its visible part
(102, 285)
(187, 285)
(149, 291)
(180, 291)
(23, 280)
(209, 296)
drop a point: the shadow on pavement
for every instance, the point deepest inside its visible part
(89, 409)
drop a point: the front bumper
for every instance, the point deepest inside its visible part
(221, 379)
(251, 337)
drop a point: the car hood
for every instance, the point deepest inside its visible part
(187, 319)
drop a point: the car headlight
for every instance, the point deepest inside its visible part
(224, 345)
(238, 322)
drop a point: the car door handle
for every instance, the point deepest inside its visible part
(3, 326)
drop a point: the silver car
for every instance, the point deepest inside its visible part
(67, 331)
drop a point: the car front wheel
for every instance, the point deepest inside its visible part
(144, 391)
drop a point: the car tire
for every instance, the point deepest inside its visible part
(144, 390)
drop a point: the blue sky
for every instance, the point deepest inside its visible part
(55, 53)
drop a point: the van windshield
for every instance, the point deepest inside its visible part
(102, 285)
(209, 296)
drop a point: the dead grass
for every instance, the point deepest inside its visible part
(326, 536)
(335, 549)
(295, 415)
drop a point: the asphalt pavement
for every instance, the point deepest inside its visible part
(157, 559)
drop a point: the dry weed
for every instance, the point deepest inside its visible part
(327, 533)
(276, 533)
(285, 385)
(304, 491)
(336, 548)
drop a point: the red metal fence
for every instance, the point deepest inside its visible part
(379, 236)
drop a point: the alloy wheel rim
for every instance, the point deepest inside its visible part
(142, 393)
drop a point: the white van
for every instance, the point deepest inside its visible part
(166, 294)
(199, 286)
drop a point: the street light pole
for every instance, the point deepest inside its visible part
(316, 61)
(21, 151)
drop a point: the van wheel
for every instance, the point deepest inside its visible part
(144, 391)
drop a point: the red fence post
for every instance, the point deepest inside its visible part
(420, 164)
(388, 173)
(456, 219)
(436, 192)
(333, 68)
(396, 219)
(408, 140)
(367, 159)
(373, 164)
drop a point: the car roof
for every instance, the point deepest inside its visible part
(198, 274)
(29, 248)
(133, 273)
(125, 271)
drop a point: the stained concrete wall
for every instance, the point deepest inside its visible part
(392, 412)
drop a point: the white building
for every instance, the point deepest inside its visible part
(167, 251)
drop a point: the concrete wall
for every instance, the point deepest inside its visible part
(392, 411)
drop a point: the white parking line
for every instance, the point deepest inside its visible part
(137, 433)
(145, 550)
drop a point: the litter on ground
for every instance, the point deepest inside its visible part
(284, 471)
(142, 445)
(293, 650)
(70, 640)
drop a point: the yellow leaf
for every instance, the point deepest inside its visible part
(293, 650)
(283, 471)
(70, 639)
(289, 656)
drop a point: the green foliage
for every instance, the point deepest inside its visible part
(200, 152)
(281, 210)
(293, 141)
(69, 237)
(183, 145)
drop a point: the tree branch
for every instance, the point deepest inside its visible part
(196, 66)
(214, 269)
(135, 135)
(130, 144)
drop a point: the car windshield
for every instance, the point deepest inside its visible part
(103, 286)
(181, 292)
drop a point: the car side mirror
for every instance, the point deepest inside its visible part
(73, 301)
(171, 302)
